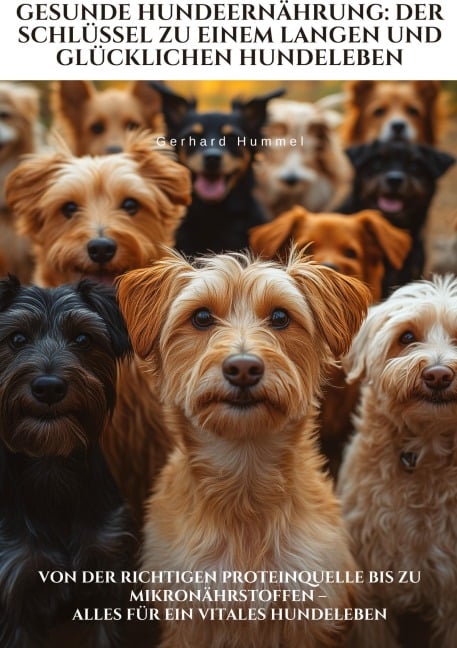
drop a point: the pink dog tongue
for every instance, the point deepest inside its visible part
(210, 189)
(389, 205)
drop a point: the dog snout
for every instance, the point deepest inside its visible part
(438, 377)
(212, 160)
(243, 369)
(49, 389)
(398, 128)
(101, 250)
(394, 179)
(290, 179)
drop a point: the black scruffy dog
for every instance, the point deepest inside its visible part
(397, 178)
(59, 507)
(219, 149)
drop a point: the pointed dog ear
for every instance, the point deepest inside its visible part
(438, 162)
(254, 112)
(145, 296)
(174, 107)
(102, 300)
(9, 290)
(273, 238)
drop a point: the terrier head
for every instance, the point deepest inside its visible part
(241, 345)
(58, 354)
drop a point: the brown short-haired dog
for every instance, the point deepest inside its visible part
(385, 110)
(96, 217)
(398, 481)
(240, 348)
(97, 122)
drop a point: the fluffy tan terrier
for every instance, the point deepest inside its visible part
(97, 217)
(398, 482)
(240, 347)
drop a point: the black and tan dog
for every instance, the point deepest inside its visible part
(219, 149)
(59, 507)
(399, 179)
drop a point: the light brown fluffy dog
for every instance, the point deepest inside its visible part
(355, 245)
(410, 110)
(240, 348)
(19, 134)
(97, 122)
(310, 167)
(398, 482)
(97, 217)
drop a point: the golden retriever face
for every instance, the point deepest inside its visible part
(241, 344)
(98, 216)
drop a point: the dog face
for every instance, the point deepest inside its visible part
(58, 351)
(406, 350)
(217, 147)
(355, 245)
(241, 345)
(385, 110)
(304, 164)
(398, 179)
(98, 217)
(19, 107)
(98, 122)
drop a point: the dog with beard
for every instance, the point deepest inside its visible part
(59, 506)
(97, 217)
(219, 150)
(240, 347)
(398, 482)
(399, 179)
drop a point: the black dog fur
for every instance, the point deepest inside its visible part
(219, 149)
(398, 178)
(59, 506)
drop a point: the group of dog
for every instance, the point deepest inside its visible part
(172, 401)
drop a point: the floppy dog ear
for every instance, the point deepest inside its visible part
(359, 359)
(338, 303)
(148, 96)
(145, 296)
(102, 300)
(174, 107)
(254, 112)
(25, 187)
(394, 242)
(267, 240)
(430, 93)
(358, 154)
(9, 290)
(437, 162)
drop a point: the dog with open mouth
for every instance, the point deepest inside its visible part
(219, 149)
(399, 179)
(398, 482)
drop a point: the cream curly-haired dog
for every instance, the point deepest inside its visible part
(398, 482)
(240, 347)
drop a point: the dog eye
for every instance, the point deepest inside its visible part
(4, 114)
(350, 253)
(83, 341)
(18, 340)
(379, 112)
(202, 318)
(131, 206)
(69, 209)
(407, 338)
(413, 111)
(97, 128)
(132, 125)
(279, 318)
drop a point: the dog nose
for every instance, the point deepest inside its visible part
(243, 369)
(212, 160)
(101, 250)
(438, 377)
(49, 389)
(394, 179)
(332, 266)
(398, 128)
(290, 179)
(111, 150)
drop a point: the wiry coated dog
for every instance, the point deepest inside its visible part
(19, 134)
(97, 217)
(98, 122)
(356, 245)
(398, 482)
(219, 149)
(240, 348)
(399, 179)
(393, 110)
(59, 506)
(302, 161)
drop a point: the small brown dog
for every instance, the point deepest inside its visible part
(384, 110)
(302, 161)
(355, 245)
(240, 348)
(97, 122)
(398, 482)
(96, 217)
(19, 134)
